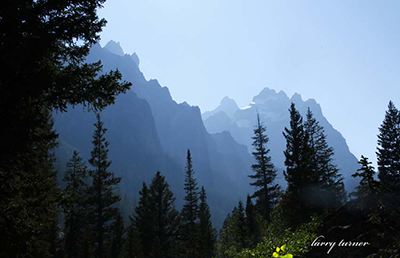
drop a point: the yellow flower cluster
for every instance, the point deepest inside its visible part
(278, 250)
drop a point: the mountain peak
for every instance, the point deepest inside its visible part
(135, 59)
(296, 98)
(227, 105)
(268, 95)
(267, 91)
(228, 101)
(114, 47)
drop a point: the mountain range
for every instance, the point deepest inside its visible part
(148, 132)
(273, 108)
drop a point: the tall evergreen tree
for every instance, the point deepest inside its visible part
(165, 220)
(314, 182)
(132, 247)
(388, 151)
(325, 184)
(242, 234)
(75, 205)
(102, 196)
(117, 236)
(29, 196)
(368, 185)
(251, 218)
(295, 153)
(53, 41)
(143, 222)
(296, 174)
(267, 192)
(226, 238)
(190, 211)
(234, 235)
(206, 233)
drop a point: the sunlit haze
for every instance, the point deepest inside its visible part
(344, 54)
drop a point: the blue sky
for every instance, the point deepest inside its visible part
(344, 54)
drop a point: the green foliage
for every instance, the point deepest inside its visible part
(296, 243)
(267, 193)
(235, 235)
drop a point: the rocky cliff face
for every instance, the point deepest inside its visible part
(148, 131)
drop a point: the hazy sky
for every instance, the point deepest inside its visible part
(344, 54)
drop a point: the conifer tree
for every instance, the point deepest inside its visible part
(251, 218)
(75, 205)
(53, 41)
(117, 236)
(388, 151)
(56, 240)
(206, 233)
(226, 239)
(314, 182)
(165, 220)
(142, 222)
(190, 211)
(242, 234)
(234, 235)
(29, 195)
(296, 166)
(325, 184)
(132, 247)
(267, 192)
(296, 174)
(368, 185)
(102, 196)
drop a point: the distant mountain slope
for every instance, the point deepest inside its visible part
(148, 131)
(135, 148)
(227, 105)
(273, 108)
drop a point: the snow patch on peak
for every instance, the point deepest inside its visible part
(249, 106)
(246, 107)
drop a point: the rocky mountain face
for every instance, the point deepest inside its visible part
(149, 132)
(273, 109)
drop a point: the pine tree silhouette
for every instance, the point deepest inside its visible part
(267, 192)
(102, 196)
(388, 151)
(75, 205)
(206, 233)
(190, 211)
